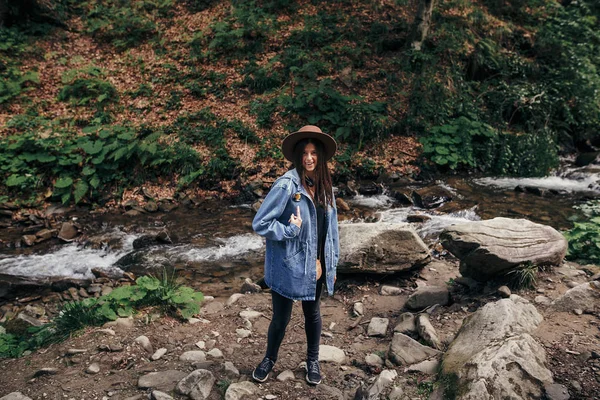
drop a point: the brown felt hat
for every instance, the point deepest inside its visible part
(306, 132)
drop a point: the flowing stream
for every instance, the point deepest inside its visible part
(215, 247)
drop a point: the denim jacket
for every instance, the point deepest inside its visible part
(291, 255)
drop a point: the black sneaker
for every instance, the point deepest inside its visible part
(313, 372)
(261, 373)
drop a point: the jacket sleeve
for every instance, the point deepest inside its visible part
(266, 221)
(336, 234)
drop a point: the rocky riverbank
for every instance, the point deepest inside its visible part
(369, 328)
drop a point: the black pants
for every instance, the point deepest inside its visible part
(282, 312)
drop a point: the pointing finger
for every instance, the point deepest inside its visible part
(298, 211)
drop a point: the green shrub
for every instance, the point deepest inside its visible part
(584, 237)
(163, 292)
(458, 144)
(123, 24)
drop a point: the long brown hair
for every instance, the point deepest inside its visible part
(323, 186)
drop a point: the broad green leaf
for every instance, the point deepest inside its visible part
(15, 180)
(93, 147)
(81, 189)
(87, 170)
(95, 181)
(63, 183)
(442, 150)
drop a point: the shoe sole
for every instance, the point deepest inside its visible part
(311, 382)
(258, 380)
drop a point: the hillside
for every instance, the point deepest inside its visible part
(195, 96)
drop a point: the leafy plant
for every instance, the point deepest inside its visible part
(149, 291)
(458, 143)
(584, 237)
(85, 87)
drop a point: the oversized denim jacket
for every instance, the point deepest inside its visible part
(291, 255)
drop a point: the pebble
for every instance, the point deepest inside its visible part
(215, 353)
(577, 311)
(286, 375)
(93, 369)
(201, 345)
(158, 354)
(359, 309)
(243, 333)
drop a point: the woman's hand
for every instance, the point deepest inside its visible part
(295, 219)
(319, 269)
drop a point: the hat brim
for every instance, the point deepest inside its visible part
(290, 141)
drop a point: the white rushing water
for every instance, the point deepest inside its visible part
(437, 222)
(381, 201)
(76, 261)
(231, 247)
(570, 179)
(70, 260)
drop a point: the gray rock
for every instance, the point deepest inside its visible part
(373, 360)
(67, 232)
(193, 356)
(250, 314)
(494, 356)
(331, 354)
(406, 351)
(15, 396)
(359, 309)
(243, 333)
(286, 375)
(158, 354)
(93, 369)
(144, 342)
(329, 392)
(407, 323)
(427, 296)
(233, 299)
(236, 391)
(197, 385)
(492, 248)
(124, 323)
(378, 327)
(164, 380)
(429, 367)
(158, 395)
(250, 287)
(396, 393)
(387, 290)
(542, 300)
(585, 297)
(21, 324)
(556, 391)
(427, 331)
(215, 353)
(383, 381)
(230, 370)
(381, 248)
(504, 292)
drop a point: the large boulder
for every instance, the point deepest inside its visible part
(383, 248)
(494, 355)
(491, 248)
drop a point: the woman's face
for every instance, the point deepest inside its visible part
(309, 158)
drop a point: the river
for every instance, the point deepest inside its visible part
(215, 248)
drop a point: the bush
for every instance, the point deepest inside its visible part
(584, 237)
(149, 291)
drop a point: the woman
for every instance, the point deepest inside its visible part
(299, 220)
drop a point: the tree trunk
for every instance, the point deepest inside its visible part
(3, 12)
(422, 23)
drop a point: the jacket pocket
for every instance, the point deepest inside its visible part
(291, 280)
